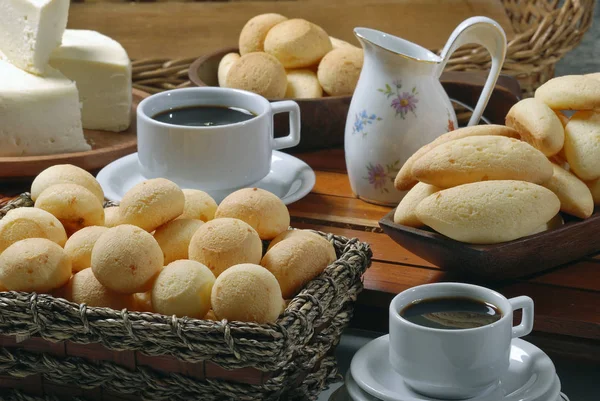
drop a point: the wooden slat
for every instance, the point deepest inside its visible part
(582, 275)
(384, 248)
(561, 310)
(334, 209)
(192, 29)
(330, 183)
(325, 160)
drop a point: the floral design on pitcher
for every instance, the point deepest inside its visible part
(379, 176)
(450, 122)
(362, 120)
(402, 102)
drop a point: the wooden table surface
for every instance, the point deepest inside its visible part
(567, 298)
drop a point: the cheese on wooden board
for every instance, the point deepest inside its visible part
(30, 30)
(102, 71)
(38, 115)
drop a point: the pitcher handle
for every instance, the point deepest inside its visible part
(488, 33)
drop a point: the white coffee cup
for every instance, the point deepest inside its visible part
(459, 363)
(211, 157)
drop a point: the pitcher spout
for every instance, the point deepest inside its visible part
(371, 38)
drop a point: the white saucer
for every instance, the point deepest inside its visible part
(531, 375)
(290, 178)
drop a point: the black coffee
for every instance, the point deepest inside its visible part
(451, 313)
(204, 116)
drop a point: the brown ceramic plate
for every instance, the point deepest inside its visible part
(106, 147)
(525, 256)
(324, 119)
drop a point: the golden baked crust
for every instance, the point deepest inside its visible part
(303, 84)
(198, 205)
(405, 180)
(79, 246)
(582, 144)
(563, 119)
(29, 222)
(65, 174)
(538, 125)
(297, 43)
(297, 260)
(84, 288)
(126, 259)
(252, 37)
(112, 217)
(339, 70)
(259, 73)
(34, 265)
(224, 242)
(482, 158)
(142, 302)
(152, 203)
(224, 66)
(575, 197)
(183, 288)
(405, 212)
(554, 223)
(338, 43)
(326, 245)
(174, 238)
(489, 212)
(247, 293)
(73, 205)
(261, 209)
(570, 92)
(594, 187)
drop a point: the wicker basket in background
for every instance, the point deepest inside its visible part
(545, 30)
(52, 347)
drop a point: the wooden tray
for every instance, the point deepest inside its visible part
(324, 119)
(522, 257)
(106, 147)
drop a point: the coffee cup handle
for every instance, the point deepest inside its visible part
(293, 138)
(526, 325)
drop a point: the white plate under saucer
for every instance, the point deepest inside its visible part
(531, 375)
(354, 393)
(290, 178)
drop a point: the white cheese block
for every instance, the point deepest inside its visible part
(30, 30)
(102, 71)
(38, 115)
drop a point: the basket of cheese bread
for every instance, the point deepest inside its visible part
(506, 201)
(168, 296)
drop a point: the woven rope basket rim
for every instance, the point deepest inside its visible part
(544, 30)
(316, 304)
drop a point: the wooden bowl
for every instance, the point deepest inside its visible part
(528, 255)
(324, 119)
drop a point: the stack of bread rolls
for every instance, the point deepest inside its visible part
(291, 58)
(490, 183)
(162, 250)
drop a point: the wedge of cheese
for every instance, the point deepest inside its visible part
(30, 30)
(102, 71)
(38, 115)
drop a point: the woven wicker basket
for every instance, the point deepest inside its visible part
(544, 30)
(52, 347)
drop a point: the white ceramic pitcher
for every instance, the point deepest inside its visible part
(400, 105)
